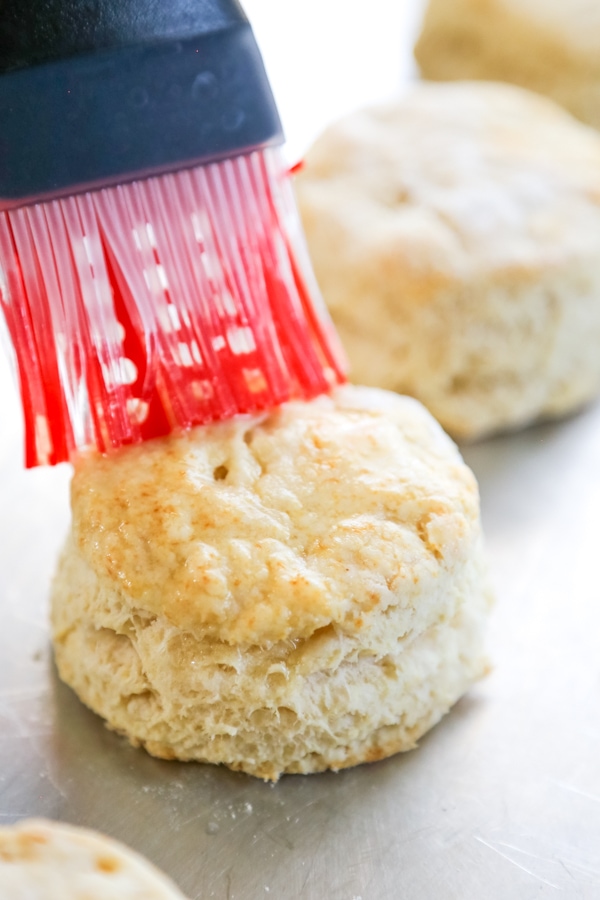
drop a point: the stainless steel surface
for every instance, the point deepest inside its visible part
(501, 801)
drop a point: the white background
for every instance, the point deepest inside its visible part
(327, 57)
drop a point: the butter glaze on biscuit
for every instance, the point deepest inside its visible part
(284, 593)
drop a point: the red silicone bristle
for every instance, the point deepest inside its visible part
(166, 303)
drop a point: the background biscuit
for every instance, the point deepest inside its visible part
(455, 234)
(549, 46)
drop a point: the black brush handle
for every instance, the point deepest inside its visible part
(98, 92)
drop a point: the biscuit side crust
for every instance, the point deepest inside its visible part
(325, 702)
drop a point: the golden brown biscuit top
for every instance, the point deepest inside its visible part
(268, 528)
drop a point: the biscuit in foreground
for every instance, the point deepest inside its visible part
(455, 234)
(42, 860)
(293, 592)
(548, 46)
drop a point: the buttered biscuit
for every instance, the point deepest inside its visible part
(41, 860)
(549, 46)
(456, 237)
(290, 592)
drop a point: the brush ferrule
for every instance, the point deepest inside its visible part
(114, 115)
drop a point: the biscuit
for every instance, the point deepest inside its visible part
(455, 234)
(548, 46)
(290, 592)
(41, 860)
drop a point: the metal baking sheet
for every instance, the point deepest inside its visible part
(501, 801)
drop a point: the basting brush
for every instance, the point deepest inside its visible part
(153, 274)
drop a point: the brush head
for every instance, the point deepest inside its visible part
(162, 304)
(139, 305)
(105, 91)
